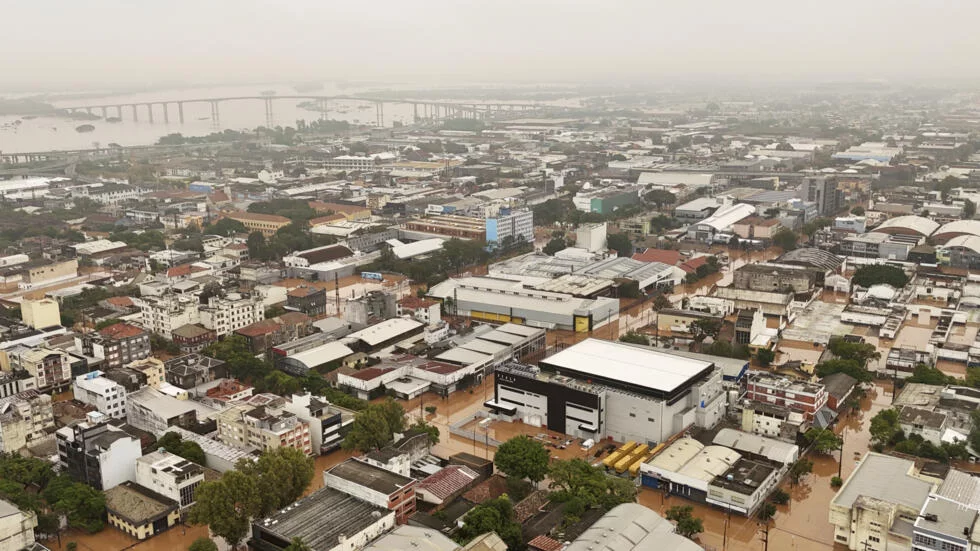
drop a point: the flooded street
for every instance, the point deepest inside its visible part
(803, 523)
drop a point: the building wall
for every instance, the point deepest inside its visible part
(14, 430)
(17, 531)
(118, 463)
(40, 313)
(51, 272)
(142, 531)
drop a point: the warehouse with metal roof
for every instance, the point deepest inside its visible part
(908, 225)
(956, 228)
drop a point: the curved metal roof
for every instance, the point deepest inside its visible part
(811, 256)
(958, 227)
(918, 224)
(971, 242)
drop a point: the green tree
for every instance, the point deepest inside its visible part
(72, 546)
(660, 198)
(620, 242)
(633, 337)
(688, 525)
(861, 352)
(173, 443)
(227, 506)
(850, 367)
(494, 515)
(431, 430)
(975, 431)
(779, 496)
(281, 476)
(297, 545)
(858, 211)
(702, 328)
(766, 511)
(522, 457)
(765, 357)
(785, 239)
(225, 227)
(885, 426)
(798, 470)
(873, 274)
(375, 426)
(969, 209)
(930, 376)
(203, 544)
(836, 482)
(83, 505)
(577, 479)
(823, 440)
(556, 244)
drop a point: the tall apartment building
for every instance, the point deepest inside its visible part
(119, 344)
(163, 314)
(97, 453)
(24, 418)
(170, 475)
(50, 368)
(804, 397)
(511, 223)
(106, 395)
(263, 428)
(328, 423)
(823, 191)
(223, 315)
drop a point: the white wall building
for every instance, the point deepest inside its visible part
(108, 396)
(225, 315)
(169, 475)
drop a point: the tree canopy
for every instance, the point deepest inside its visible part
(874, 274)
(375, 426)
(633, 337)
(688, 525)
(494, 515)
(620, 242)
(850, 367)
(281, 476)
(823, 440)
(522, 457)
(577, 480)
(173, 443)
(227, 506)
(885, 426)
(785, 239)
(861, 352)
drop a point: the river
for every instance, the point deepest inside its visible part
(58, 133)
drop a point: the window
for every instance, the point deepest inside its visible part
(632, 415)
(874, 539)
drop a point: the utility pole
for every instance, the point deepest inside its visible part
(765, 538)
(840, 464)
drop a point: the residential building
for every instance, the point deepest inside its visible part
(266, 224)
(165, 313)
(106, 395)
(157, 411)
(517, 225)
(263, 428)
(375, 485)
(192, 338)
(326, 520)
(602, 389)
(139, 511)
(805, 397)
(16, 527)
(40, 313)
(308, 300)
(756, 227)
(930, 425)
(449, 225)
(266, 334)
(14, 382)
(427, 311)
(191, 370)
(878, 504)
(171, 476)
(97, 453)
(328, 423)
(118, 344)
(773, 421)
(949, 520)
(25, 418)
(218, 455)
(443, 486)
(224, 315)
(50, 368)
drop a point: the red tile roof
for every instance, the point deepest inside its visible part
(258, 328)
(184, 270)
(544, 543)
(449, 481)
(416, 302)
(258, 217)
(327, 219)
(692, 265)
(666, 256)
(321, 206)
(121, 331)
(122, 302)
(304, 291)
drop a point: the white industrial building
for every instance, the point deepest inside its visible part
(603, 389)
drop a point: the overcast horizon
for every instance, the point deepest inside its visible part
(63, 45)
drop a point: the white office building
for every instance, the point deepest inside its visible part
(169, 475)
(106, 395)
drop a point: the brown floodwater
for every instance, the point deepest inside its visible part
(803, 523)
(178, 538)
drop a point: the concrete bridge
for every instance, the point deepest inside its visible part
(422, 109)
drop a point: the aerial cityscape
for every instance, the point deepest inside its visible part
(490, 278)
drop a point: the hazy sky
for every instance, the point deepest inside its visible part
(95, 43)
